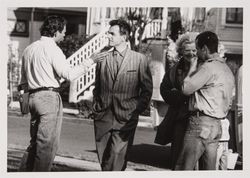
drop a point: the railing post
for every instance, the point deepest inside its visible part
(73, 91)
(79, 85)
(103, 17)
(164, 22)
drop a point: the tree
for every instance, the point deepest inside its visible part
(139, 18)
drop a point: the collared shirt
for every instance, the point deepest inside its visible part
(118, 59)
(211, 88)
(43, 64)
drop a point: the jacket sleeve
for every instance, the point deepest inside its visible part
(169, 93)
(96, 90)
(145, 84)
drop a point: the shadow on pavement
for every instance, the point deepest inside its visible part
(152, 155)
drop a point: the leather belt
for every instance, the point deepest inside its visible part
(200, 113)
(43, 89)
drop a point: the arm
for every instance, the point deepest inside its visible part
(23, 84)
(96, 90)
(64, 70)
(195, 80)
(169, 93)
(145, 84)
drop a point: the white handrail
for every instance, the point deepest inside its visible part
(92, 46)
(83, 82)
(153, 29)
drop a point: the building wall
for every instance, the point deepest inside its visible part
(35, 35)
(76, 19)
(229, 32)
(22, 43)
(231, 35)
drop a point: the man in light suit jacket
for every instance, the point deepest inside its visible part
(123, 90)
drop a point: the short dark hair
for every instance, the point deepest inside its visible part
(123, 25)
(209, 39)
(51, 25)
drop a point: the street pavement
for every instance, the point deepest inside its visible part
(77, 147)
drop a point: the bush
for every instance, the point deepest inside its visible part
(72, 43)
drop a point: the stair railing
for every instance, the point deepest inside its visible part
(83, 82)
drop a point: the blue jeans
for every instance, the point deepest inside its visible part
(200, 143)
(45, 127)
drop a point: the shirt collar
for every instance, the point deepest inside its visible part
(220, 59)
(122, 53)
(48, 39)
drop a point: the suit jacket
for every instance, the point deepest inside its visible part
(127, 95)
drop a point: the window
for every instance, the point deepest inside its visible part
(200, 14)
(234, 15)
(18, 28)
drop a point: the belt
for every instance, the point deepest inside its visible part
(43, 89)
(200, 113)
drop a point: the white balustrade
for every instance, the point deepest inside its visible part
(83, 82)
(153, 29)
(92, 46)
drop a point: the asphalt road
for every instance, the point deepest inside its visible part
(77, 140)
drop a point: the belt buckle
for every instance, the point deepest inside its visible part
(50, 89)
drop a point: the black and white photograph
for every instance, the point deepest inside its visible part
(133, 88)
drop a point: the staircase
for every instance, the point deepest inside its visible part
(79, 85)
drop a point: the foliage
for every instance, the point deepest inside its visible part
(13, 66)
(69, 46)
(72, 43)
(138, 18)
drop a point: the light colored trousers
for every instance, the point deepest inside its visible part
(45, 127)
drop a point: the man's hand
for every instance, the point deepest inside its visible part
(98, 57)
(193, 66)
(87, 63)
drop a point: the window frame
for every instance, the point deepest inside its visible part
(15, 32)
(230, 24)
